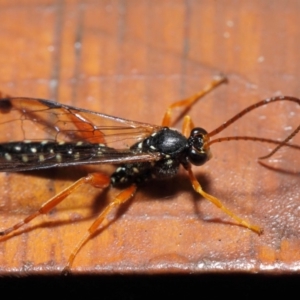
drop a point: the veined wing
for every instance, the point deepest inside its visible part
(38, 134)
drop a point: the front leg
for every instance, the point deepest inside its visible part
(197, 187)
(186, 104)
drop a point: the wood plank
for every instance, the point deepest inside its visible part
(132, 59)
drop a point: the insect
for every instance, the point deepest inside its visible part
(56, 135)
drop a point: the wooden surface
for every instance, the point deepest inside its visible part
(132, 59)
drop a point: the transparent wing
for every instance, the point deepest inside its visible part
(39, 123)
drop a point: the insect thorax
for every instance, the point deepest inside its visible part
(171, 145)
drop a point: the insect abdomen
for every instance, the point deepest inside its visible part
(29, 152)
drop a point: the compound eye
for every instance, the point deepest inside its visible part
(198, 131)
(197, 158)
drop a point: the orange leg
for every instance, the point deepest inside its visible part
(96, 179)
(197, 187)
(121, 198)
(186, 104)
(187, 126)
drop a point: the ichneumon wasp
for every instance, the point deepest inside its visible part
(57, 135)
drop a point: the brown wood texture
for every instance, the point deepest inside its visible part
(132, 59)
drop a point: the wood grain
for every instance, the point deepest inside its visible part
(132, 59)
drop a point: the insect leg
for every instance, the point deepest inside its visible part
(121, 198)
(197, 187)
(186, 104)
(187, 126)
(95, 179)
